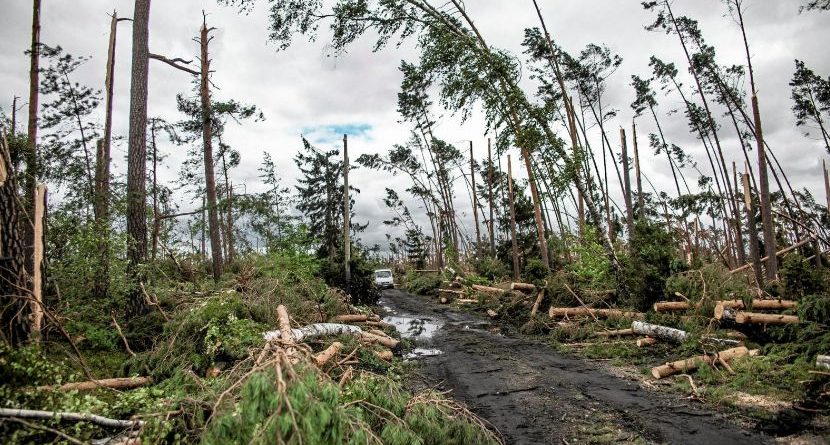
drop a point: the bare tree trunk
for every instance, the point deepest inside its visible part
(629, 211)
(37, 275)
(347, 243)
(475, 199)
(753, 233)
(826, 183)
(512, 220)
(137, 156)
(640, 198)
(156, 215)
(490, 197)
(207, 141)
(32, 173)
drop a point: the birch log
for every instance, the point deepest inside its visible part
(664, 333)
(315, 331)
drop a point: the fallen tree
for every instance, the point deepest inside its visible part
(691, 364)
(315, 331)
(723, 313)
(659, 332)
(114, 383)
(69, 416)
(558, 312)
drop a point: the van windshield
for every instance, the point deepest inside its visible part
(383, 274)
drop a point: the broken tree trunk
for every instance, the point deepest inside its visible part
(664, 333)
(73, 417)
(327, 354)
(693, 363)
(389, 342)
(116, 383)
(537, 303)
(555, 312)
(759, 304)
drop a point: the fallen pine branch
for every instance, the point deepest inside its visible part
(69, 416)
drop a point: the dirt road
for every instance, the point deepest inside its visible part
(534, 395)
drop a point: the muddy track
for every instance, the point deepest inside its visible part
(535, 395)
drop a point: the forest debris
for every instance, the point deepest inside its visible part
(389, 342)
(385, 355)
(760, 305)
(690, 364)
(664, 333)
(524, 287)
(70, 416)
(492, 314)
(356, 318)
(379, 324)
(537, 303)
(488, 289)
(646, 341)
(779, 253)
(466, 301)
(450, 291)
(823, 361)
(670, 306)
(285, 325)
(755, 318)
(121, 334)
(114, 383)
(615, 333)
(327, 354)
(556, 312)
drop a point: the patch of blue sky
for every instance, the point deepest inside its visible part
(327, 134)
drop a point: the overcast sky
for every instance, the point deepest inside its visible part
(305, 90)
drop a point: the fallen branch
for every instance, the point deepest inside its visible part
(761, 305)
(537, 303)
(115, 383)
(779, 253)
(35, 426)
(121, 334)
(670, 306)
(390, 343)
(755, 318)
(69, 416)
(616, 333)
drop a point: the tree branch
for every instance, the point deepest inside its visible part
(175, 63)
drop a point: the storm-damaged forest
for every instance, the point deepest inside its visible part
(552, 243)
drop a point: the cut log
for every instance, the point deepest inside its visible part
(670, 306)
(443, 300)
(616, 333)
(663, 333)
(116, 383)
(379, 324)
(759, 305)
(386, 355)
(466, 301)
(450, 291)
(378, 332)
(327, 354)
(356, 318)
(691, 364)
(537, 303)
(492, 314)
(755, 318)
(488, 289)
(390, 343)
(315, 331)
(524, 287)
(724, 313)
(823, 361)
(557, 312)
(647, 341)
(68, 416)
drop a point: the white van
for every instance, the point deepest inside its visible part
(383, 279)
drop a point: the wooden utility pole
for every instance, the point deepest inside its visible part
(347, 243)
(629, 212)
(207, 141)
(490, 198)
(753, 234)
(475, 199)
(640, 198)
(512, 220)
(37, 275)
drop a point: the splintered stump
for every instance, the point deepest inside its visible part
(691, 364)
(663, 333)
(559, 312)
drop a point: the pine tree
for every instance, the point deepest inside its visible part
(811, 100)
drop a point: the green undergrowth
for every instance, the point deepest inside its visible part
(201, 347)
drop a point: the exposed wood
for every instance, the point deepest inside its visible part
(641, 207)
(385, 355)
(466, 301)
(379, 324)
(514, 243)
(488, 289)
(69, 416)
(629, 211)
(285, 325)
(490, 198)
(121, 334)
(759, 304)
(755, 318)
(492, 314)
(659, 332)
(763, 193)
(754, 253)
(615, 333)
(356, 318)
(390, 343)
(823, 361)
(670, 306)
(558, 312)
(115, 383)
(450, 291)
(37, 263)
(327, 354)
(691, 364)
(525, 287)
(645, 342)
(537, 303)
(207, 143)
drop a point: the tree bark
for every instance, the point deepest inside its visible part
(659, 332)
(475, 199)
(514, 243)
(347, 242)
(136, 156)
(629, 211)
(37, 264)
(556, 312)
(752, 230)
(31, 158)
(207, 141)
(641, 206)
(490, 198)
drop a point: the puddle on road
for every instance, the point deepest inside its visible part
(415, 328)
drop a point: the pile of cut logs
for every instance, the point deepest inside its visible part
(456, 292)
